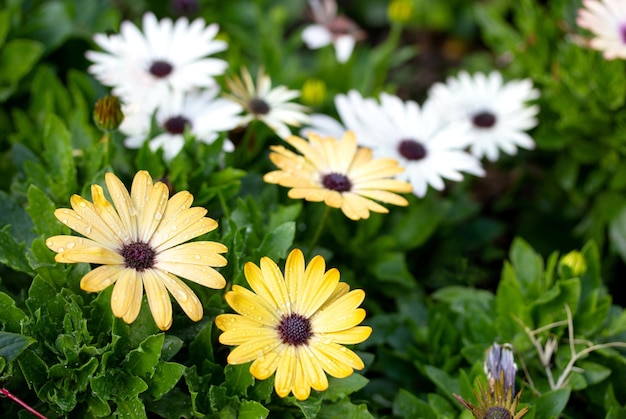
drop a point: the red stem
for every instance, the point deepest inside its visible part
(11, 396)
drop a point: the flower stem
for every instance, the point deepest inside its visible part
(7, 393)
(318, 231)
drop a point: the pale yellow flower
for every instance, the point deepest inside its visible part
(137, 240)
(294, 325)
(339, 173)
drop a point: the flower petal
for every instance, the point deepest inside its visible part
(124, 296)
(252, 349)
(200, 274)
(350, 336)
(195, 253)
(74, 249)
(158, 298)
(269, 284)
(185, 297)
(286, 371)
(337, 360)
(264, 366)
(100, 277)
(248, 304)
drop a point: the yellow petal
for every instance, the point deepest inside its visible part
(230, 321)
(252, 349)
(96, 230)
(158, 298)
(248, 304)
(313, 371)
(195, 253)
(185, 297)
(135, 303)
(200, 274)
(269, 284)
(100, 278)
(151, 214)
(384, 196)
(340, 290)
(190, 225)
(77, 249)
(318, 194)
(178, 203)
(318, 286)
(286, 371)
(124, 292)
(350, 336)
(294, 274)
(123, 204)
(263, 367)
(336, 360)
(334, 199)
(301, 387)
(107, 212)
(241, 335)
(342, 314)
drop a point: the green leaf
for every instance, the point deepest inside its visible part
(339, 388)
(249, 409)
(528, 266)
(5, 25)
(17, 58)
(132, 408)
(407, 405)
(344, 409)
(12, 254)
(238, 378)
(510, 304)
(12, 345)
(443, 381)
(11, 317)
(143, 360)
(165, 377)
(551, 404)
(41, 211)
(277, 242)
(13, 214)
(117, 385)
(58, 156)
(391, 268)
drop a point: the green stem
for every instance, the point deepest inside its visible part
(318, 231)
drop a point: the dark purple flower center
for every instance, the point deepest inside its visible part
(412, 149)
(160, 69)
(622, 31)
(176, 124)
(259, 106)
(295, 330)
(138, 256)
(484, 120)
(498, 412)
(186, 7)
(337, 182)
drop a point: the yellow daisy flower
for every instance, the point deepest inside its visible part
(294, 325)
(339, 173)
(137, 240)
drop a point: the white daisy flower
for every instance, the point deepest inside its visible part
(204, 115)
(329, 28)
(497, 112)
(167, 56)
(606, 19)
(414, 136)
(270, 105)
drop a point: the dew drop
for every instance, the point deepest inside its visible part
(197, 257)
(65, 221)
(61, 249)
(158, 215)
(88, 229)
(71, 245)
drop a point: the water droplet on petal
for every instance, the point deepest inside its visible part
(71, 245)
(61, 249)
(158, 216)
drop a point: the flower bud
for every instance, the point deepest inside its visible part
(108, 113)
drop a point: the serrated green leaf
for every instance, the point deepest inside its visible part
(12, 345)
(143, 360)
(250, 409)
(165, 377)
(130, 409)
(117, 385)
(277, 242)
(13, 214)
(11, 317)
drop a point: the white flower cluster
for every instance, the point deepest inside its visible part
(461, 121)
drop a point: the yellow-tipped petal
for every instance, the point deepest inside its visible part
(269, 284)
(100, 278)
(337, 360)
(134, 305)
(123, 295)
(123, 204)
(249, 304)
(152, 212)
(350, 336)
(286, 371)
(252, 349)
(342, 314)
(195, 253)
(158, 299)
(318, 286)
(77, 249)
(294, 274)
(200, 274)
(241, 335)
(189, 228)
(313, 371)
(262, 368)
(184, 296)
(301, 386)
(88, 228)
(230, 321)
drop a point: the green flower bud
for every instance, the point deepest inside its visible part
(108, 113)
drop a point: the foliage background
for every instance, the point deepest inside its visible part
(445, 277)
